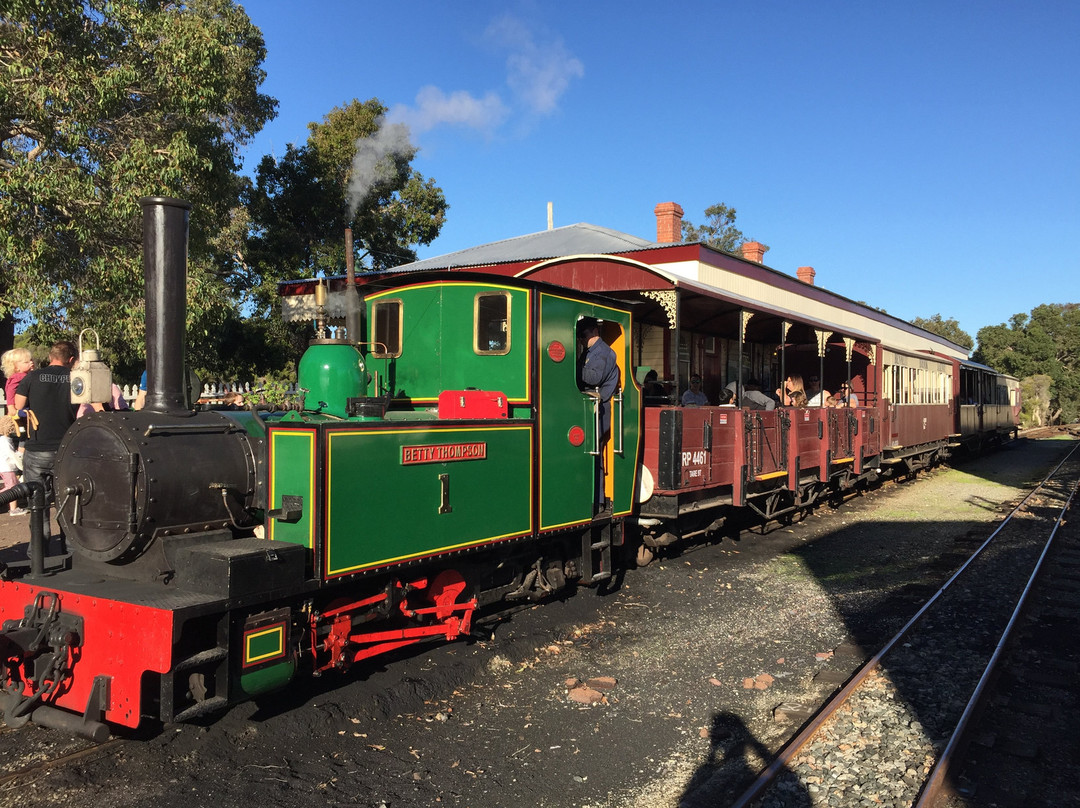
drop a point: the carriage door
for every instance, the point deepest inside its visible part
(566, 466)
(623, 418)
(573, 461)
(766, 442)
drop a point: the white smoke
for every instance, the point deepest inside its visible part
(538, 74)
(434, 108)
(374, 160)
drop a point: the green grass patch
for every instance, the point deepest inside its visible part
(898, 514)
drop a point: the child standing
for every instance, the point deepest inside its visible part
(15, 364)
(10, 462)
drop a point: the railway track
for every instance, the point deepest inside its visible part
(890, 735)
(1021, 741)
(28, 752)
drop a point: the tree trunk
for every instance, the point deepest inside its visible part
(7, 333)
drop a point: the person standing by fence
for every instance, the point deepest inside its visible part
(45, 394)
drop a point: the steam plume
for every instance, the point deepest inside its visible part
(374, 160)
(434, 107)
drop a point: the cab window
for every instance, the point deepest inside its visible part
(386, 328)
(491, 323)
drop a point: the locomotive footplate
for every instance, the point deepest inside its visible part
(236, 568)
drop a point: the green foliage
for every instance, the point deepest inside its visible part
(1035, 393)
(275, 394)
(1046, 342)
(719, 230)
(106, 101)
(950, 329)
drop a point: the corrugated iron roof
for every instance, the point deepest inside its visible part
(573, 239)
(584, 239)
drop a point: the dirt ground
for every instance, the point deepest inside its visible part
(702, 648)
(14, 534)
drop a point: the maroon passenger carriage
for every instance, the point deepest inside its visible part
(987, 405)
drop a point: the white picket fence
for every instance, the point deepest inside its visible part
(214, 392)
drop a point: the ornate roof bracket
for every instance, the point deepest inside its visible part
(668, 299)
(849, 345)
(822, 341)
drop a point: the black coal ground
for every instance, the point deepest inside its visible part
(489, 722)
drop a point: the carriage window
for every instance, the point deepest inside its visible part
(386, 328)
(491, 323)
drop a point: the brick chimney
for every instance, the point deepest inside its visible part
(668, 223)
(753, 251)
(806, 275)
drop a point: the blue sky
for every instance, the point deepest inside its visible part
(923, 157)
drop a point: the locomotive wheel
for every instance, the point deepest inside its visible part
(444, 592)
(645, 555)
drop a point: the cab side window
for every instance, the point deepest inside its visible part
(386, 328)
(491, 323)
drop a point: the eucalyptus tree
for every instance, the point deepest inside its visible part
(1045, 342)
(718, 231)
(950, 329)
(103, 102)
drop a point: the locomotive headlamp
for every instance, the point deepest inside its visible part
(91, 379)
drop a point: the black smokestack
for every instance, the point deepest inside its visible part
(165, 238)
(353, 303)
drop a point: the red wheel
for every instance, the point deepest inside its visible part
(445, 590)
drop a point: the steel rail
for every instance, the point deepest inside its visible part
(792, 747)
(936, 781)
(97, 750)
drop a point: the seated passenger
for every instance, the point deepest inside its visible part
(792, 384)
(846, 397)
(727, 398)
(798, 399)
(815, 395)
(752, 397)
(693, 397)
(653, 390)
